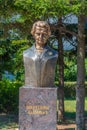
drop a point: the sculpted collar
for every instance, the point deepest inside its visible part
(46, 47)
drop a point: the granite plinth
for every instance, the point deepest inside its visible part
(37, 108)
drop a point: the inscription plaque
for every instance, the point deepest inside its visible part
(37, 110)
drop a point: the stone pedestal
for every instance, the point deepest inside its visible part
(37, 108)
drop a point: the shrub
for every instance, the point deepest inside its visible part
(9, 91)
(69, 89)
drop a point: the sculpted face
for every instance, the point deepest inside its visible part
(41, 32)
(41, 36)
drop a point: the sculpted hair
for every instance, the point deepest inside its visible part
(41, 24)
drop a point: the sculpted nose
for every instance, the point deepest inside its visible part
(41, 36)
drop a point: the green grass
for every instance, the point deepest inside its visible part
(70, 108)
(86, 104)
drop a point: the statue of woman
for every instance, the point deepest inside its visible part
(40, 60)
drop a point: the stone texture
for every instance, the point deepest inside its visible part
(37, 108)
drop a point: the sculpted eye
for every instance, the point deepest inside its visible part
(38, 34)
(45, 35)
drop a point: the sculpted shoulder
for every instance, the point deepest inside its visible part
(48, 52)
(51, 52)
(28, 52)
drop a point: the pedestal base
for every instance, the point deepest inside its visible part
(37, 108)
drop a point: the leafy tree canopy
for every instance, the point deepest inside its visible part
(41, 9)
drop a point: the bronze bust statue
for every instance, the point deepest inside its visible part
(40, 60)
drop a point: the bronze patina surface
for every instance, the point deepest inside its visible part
(40, 60)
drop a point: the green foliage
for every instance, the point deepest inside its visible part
(17, 60)
(69, 89)
(11, 53)
(43, 9)
(9, 92)
(4, 46)
(70, 68)
(6, 54)
(70, 71)
(86, 69)
(6, 7)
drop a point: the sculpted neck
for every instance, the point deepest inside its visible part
(39, 48)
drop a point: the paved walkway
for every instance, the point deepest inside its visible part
(66, 126)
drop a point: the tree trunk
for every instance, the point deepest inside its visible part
(0, 67)
(80, 89)
(61, 76)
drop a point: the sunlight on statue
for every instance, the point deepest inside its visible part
(40, 60)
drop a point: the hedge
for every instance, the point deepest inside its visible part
(70, 89)
(9, 94)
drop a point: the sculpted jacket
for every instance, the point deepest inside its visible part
(40, 67)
